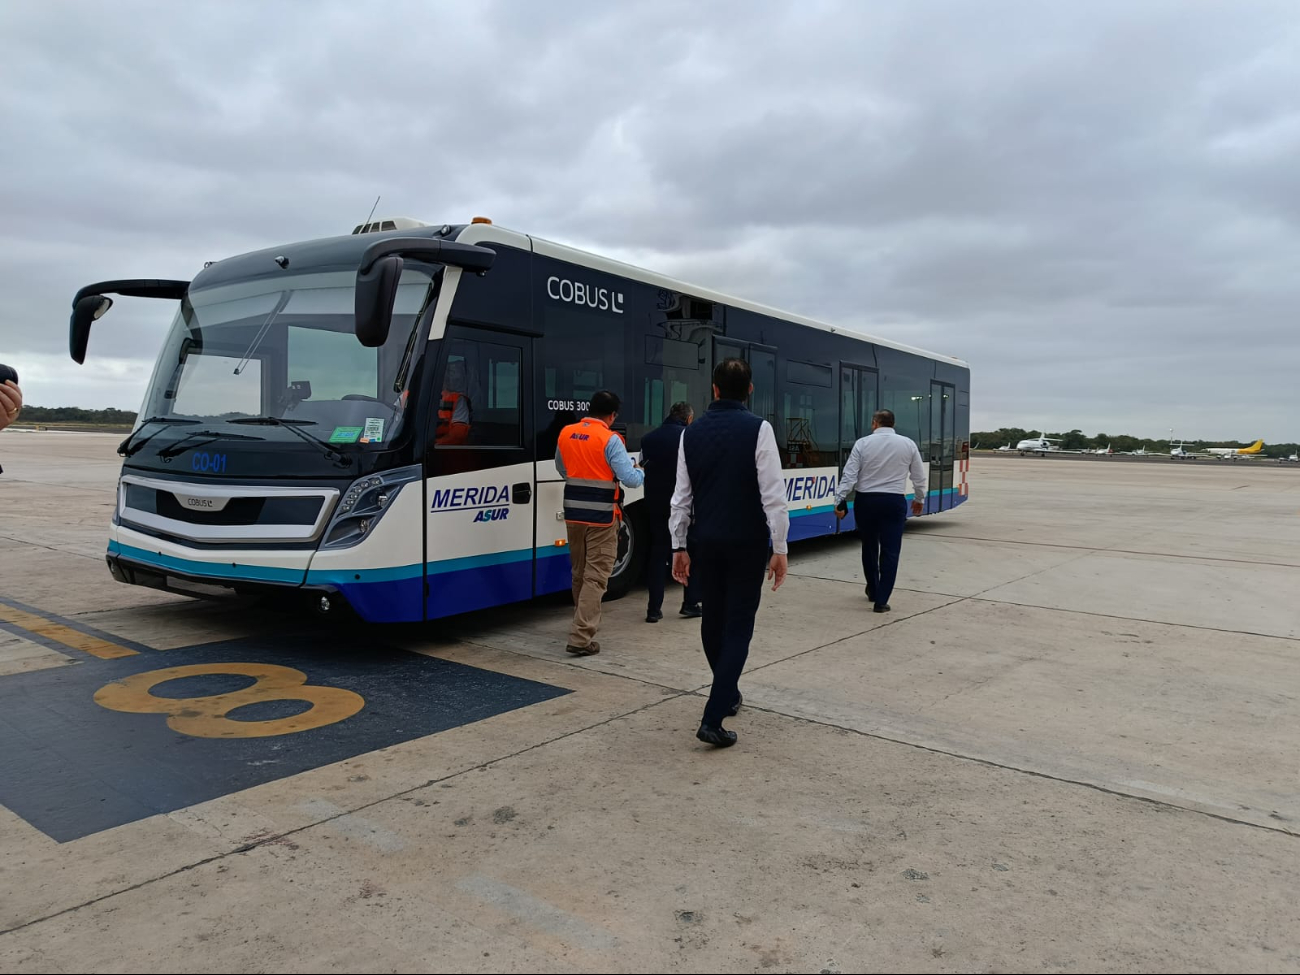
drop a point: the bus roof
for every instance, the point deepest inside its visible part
(477, 233)
(346, 250)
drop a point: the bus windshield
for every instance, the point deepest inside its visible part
(284, 348)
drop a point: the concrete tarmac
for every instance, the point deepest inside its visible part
(1070, 747)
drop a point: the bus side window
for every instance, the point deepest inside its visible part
(479, 403)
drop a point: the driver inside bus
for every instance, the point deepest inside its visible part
(454, 407)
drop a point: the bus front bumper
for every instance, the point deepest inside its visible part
(321, 598)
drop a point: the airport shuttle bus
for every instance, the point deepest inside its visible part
(368, 422)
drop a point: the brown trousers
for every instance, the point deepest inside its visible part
(592, 549)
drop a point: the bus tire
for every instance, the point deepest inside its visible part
(629, 565)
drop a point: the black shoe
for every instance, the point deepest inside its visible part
(881, 608)
(735, 708)
(653, 615)
(691, 610)
(719, 736)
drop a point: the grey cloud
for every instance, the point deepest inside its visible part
(1094, 203)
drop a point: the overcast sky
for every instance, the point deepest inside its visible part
(1096, 204)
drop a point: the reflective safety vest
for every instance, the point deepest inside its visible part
(590, 488)
(446, 411)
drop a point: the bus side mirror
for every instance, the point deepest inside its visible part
(85, 312)
(376, 291)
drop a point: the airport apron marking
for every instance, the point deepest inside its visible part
(207, 716)
(111, 738)
(53, 631)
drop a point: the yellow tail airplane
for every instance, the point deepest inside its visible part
(1250, 451)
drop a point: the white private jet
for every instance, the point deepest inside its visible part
(1007, 447)
(1038, 445)
(1101, 451)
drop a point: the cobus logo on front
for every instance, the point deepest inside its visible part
(586, 295)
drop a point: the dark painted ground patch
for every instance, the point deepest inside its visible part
(72, 767)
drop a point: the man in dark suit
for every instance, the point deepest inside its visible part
(729, 475)
(659, 458)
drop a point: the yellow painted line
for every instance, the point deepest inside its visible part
(66, 635)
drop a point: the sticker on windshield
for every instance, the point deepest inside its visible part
(374, 432)
(345, 435)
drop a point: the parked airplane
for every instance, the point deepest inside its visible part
(1179, 451)
(1038, 445)
(1140, 452)
(1234, 452)
(1102, 451)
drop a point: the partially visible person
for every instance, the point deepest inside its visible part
(729, 474)
(11, 403)
(878, 469)
(659, 458)
(454, 408)
(592, 459)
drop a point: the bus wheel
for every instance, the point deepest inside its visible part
(633, 546)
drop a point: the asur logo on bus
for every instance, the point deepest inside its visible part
(587, 295)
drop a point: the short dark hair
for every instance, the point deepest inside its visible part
(681, 411)
(884, 418)
(605, 403)
(732, 377)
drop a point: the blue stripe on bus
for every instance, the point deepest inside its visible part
(215, 570)
(396, 594)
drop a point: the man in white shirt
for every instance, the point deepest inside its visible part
(729, 469)
(878, 469)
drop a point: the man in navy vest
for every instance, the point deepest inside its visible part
(659, 449)
(729, 472)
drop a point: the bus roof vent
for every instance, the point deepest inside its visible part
(388, 223)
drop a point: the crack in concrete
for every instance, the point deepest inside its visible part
(49, 548)
(1117, 551)
(990, 763)
(275, 838)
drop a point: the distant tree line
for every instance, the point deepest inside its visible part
(75, 414)
(1078, 440)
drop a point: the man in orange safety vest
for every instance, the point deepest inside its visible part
(592, 459)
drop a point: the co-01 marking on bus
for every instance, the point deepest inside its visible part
(207, 716)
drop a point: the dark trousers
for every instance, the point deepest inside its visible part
(880, 519)
(661, 564)
(731, 584)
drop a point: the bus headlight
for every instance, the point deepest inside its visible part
(364, 503)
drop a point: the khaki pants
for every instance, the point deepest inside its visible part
(592, 549)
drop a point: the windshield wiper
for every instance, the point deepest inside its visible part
(266, 327)
(340, 458)
(184, 444)
(126, 448)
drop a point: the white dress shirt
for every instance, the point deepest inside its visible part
(771, 488)
(880, 464)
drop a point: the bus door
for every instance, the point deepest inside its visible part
(480, 487)
(859, 392)
(943, 445)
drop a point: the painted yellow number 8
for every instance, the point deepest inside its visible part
(205, 717)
